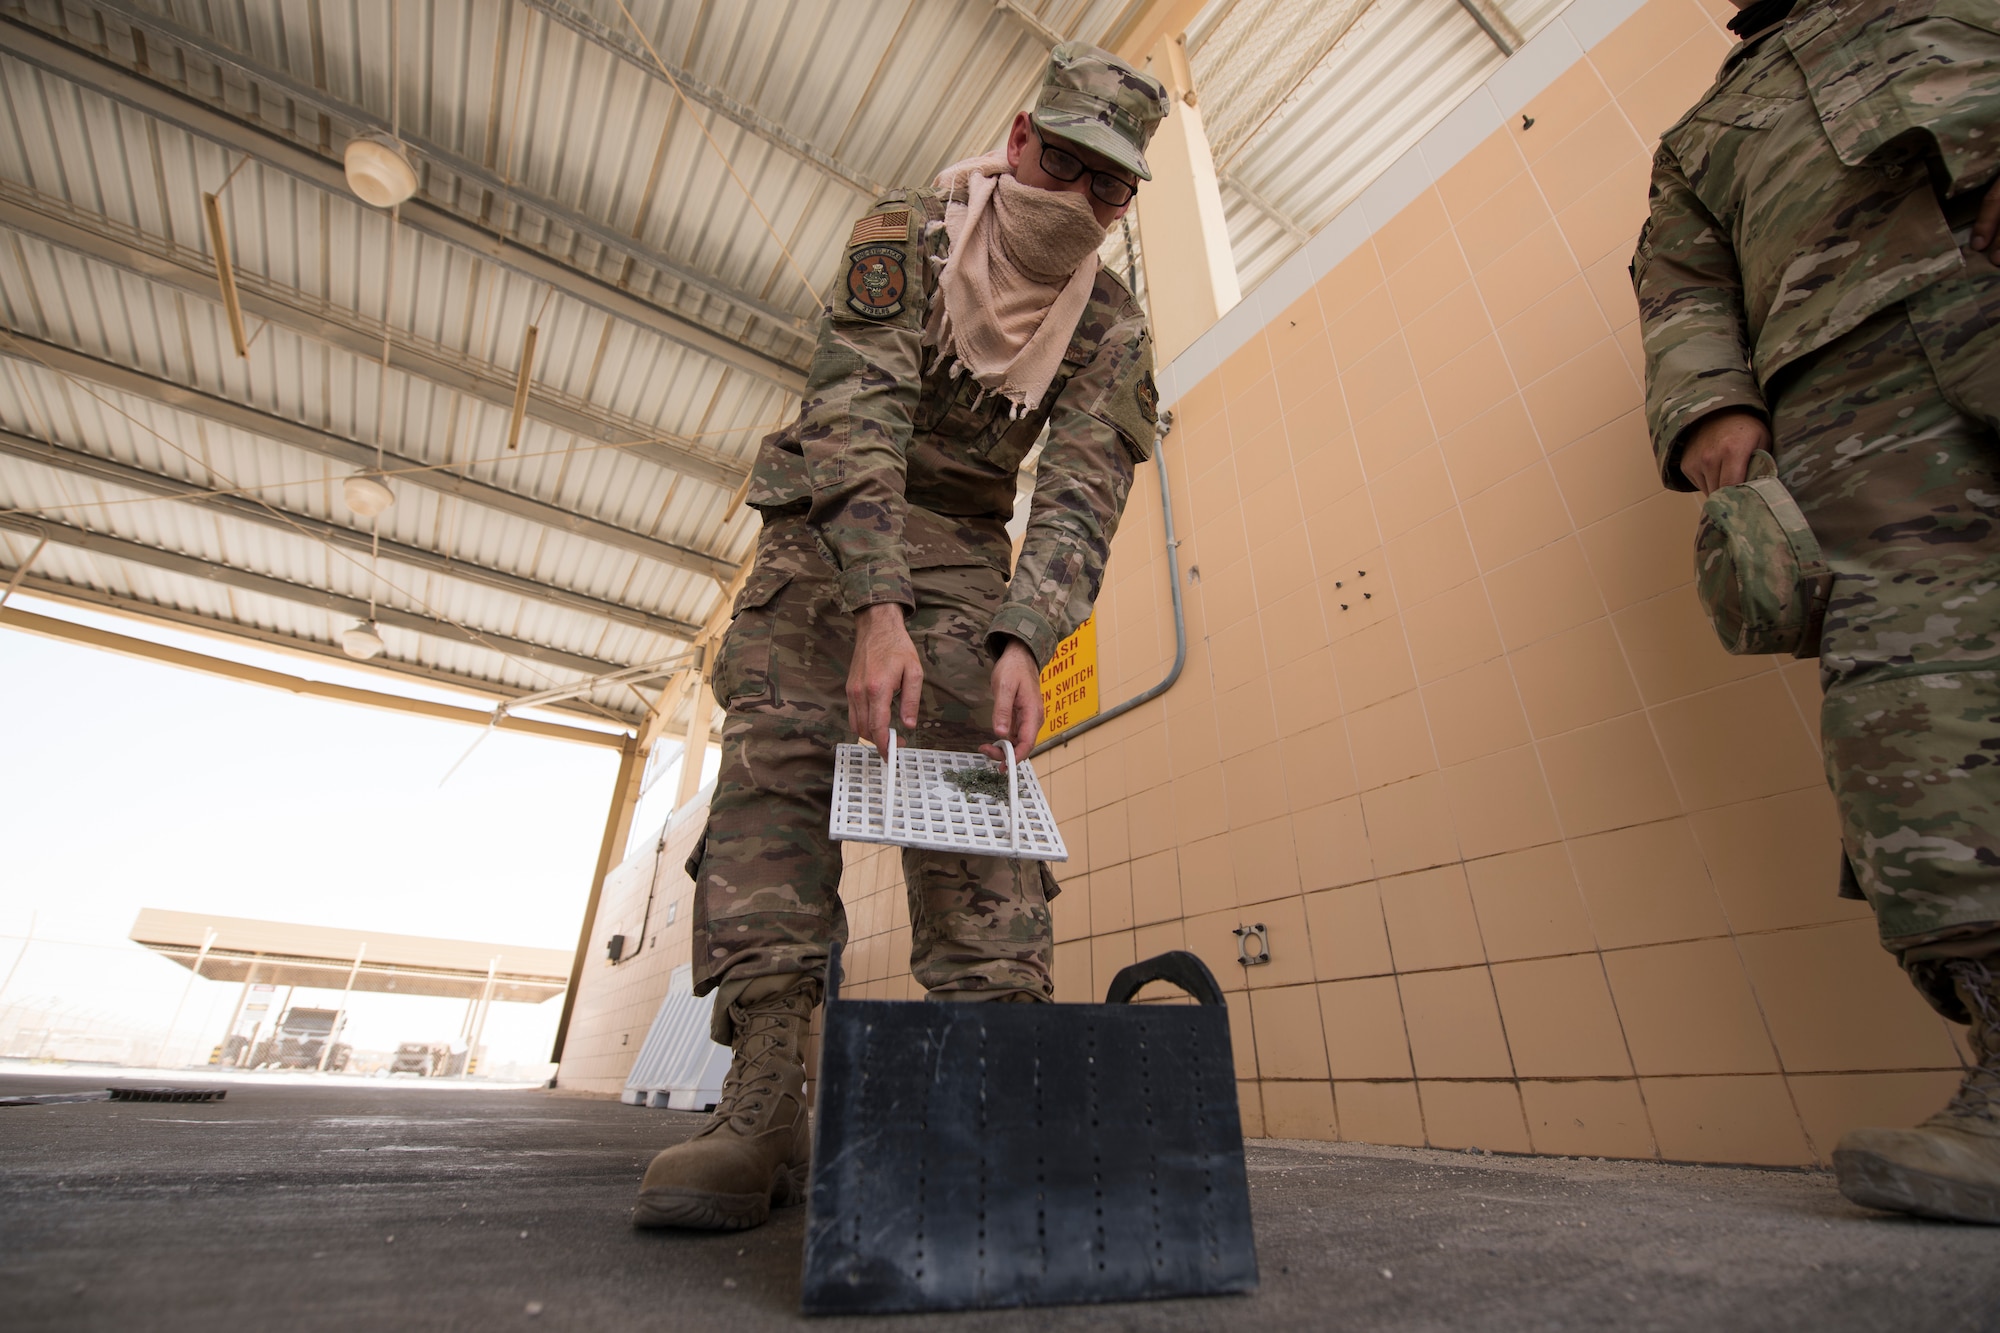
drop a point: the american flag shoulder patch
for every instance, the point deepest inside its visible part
(880, 227)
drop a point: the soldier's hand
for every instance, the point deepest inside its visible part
(885, 668)
(1718, 453)
(1017, 701)
(1986, 227)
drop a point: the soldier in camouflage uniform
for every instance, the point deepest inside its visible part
(1817, 279)
(882, 584)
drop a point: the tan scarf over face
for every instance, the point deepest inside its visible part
(1020, 271)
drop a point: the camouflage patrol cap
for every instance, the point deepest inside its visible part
(1758, 569)
(1097, 101)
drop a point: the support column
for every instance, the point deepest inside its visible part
(194, 974)
(479, 1027)
(632, 773)
(1183, 237)
(617, 827)
(701, 717)
(236, 1014)
(277, 1024)
(340, 1014)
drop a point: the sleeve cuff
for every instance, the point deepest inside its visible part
(871, 585)
(1674, 429)
(1016, 621)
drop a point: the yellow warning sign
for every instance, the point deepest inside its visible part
(1069, 681)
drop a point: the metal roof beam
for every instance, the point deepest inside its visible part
(156, 260)
(1019, 12)
(84, 464)
(173, 617)
(90, 636)
(1141, 25)
(408, 471)
(459, 165)
(196, 567)
(630, 51)
(1270, 210)
(107, 78)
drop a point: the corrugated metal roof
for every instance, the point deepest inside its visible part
(1394, 72)
(563, 183)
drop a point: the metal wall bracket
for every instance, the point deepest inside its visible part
(1253, 945)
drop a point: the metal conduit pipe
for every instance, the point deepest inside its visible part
(1180, 615)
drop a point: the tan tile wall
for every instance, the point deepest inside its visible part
(1543, 868)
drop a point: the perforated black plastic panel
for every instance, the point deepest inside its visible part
(978, 1156)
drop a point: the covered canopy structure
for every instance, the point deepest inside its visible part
(282, 953)
(437, 339)
(559, 351)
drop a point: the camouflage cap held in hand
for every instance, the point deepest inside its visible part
(1095, 100)
(1758, 568)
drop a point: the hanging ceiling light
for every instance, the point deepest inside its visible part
(379, 171)
(367, 494)
(360, 640)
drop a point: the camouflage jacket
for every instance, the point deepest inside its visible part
(898, 469)
(1805, 192)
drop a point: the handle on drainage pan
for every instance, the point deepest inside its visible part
(1180, 967)
(835, 973)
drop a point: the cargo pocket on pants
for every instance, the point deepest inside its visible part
(742, 675)
(693, 864)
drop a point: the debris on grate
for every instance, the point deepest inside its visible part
(943, 801)
(168, 1094)
(985, 782)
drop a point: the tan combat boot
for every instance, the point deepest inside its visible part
(1949, 1166)
(754, 1150)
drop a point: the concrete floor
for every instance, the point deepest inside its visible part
(296, 1206)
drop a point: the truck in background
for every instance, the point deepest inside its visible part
(301, 1036)
(429, 1059)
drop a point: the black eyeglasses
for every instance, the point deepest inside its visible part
(1066, 166)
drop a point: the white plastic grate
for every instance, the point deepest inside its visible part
(926, 810)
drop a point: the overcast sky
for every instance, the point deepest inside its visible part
(126, 784)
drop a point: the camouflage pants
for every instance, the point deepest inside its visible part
(767, 891)
(1886, 437)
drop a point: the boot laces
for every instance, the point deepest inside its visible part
(1978, 1095)
(756, 1075)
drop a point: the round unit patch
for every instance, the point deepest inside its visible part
(875, 282)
